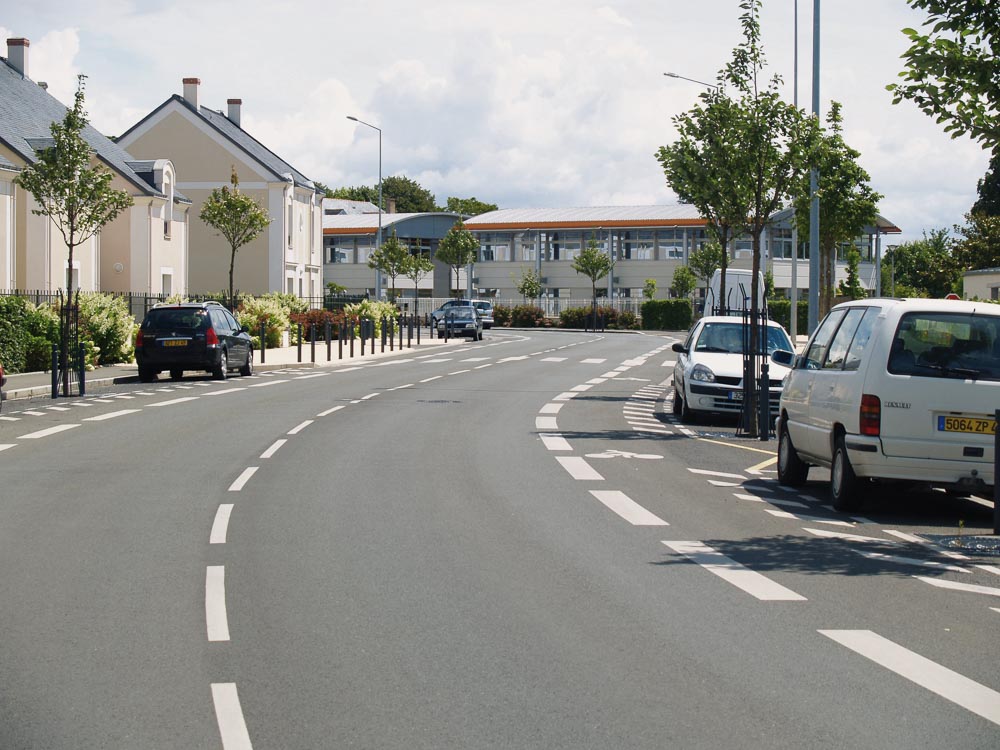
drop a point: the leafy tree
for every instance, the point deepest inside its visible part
(847, 201)
(410, 197)
(649, 289)
(922, 268)
(979, 243)
(390, 259)
(458, 249)
(416, 267)
(529, 285)
(326, 190)
(851, 288)
(469, 206)
(988, 189)
(593, 263)
(684, 281)
(74, 191)
(704, 260)
(360, 193)
(238, 218)
(951, 67)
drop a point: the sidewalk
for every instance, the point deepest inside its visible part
(35, 384)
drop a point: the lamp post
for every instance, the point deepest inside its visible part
(693, 80)
(378, 237)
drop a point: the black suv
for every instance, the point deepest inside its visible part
(192, 336)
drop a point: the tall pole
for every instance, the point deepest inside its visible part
(814, 190)
(793, 322)
(378, 236)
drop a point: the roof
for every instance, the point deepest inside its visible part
(368, 223)
(590, 217)
(257, 151)
(26, 113)
(339, 206)
(883, 225)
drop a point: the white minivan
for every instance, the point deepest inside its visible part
(891, 389)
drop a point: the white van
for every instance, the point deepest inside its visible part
(738, 291)
(890, 389)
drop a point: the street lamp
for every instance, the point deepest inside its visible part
(693, 80)
(378, 237)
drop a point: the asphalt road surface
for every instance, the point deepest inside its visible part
(502, 544)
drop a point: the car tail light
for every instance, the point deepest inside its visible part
(138, 339)
(871, 415)
(212, 338)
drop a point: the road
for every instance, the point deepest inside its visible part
(509, 543)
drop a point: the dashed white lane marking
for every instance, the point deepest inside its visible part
(720, 483)
(628, 508)
(229, 714)
(267, 383)
(611, 374)
(308, 377)
(581, 388)
(33, 413)
(918, 669)
(5, 446)
(220, 525)
(551, 408)
(546, 423)
(597, 381)
(273, 449)
(905, 537)
(436, 377)
(298, 428)
(216, 619)
(846, 537)
(173, 401)
(788, 503)
(970, 588)
(593, 361)
(350, 369)
(807, 519)
(989, 569)
(48, 431)
(436, 361)
(740, 576)
(243, 478)
(710, 473)
(224, 391)
(481, 367)
(555, 442)
(459, 372)
(579, 469)
(57, 408)
(653, 430)
(401, 387)
(476, 359)
(514, 359)
(10, 419)
(111, 415)
(370, 395)
(751, 498)
(565, 396)
(880, 557)
(330, 411)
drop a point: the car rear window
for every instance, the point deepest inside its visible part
(176, 319)
(946, 345)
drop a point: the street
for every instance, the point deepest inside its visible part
(509, 543)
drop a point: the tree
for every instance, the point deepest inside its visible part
(684, 281)
(325, 189)
(979, 243)
(847, 202)
(529, 285)
(922, 268)
(74, 191)
(416, 267)
(988, 190)
(649, 289)
(363, 193)
(593, 263)
(410, 197)
(851, 288)
(390, 259)
(469, 206)
(951, 68)
(704, 260)
(458, 249)
(238, 218)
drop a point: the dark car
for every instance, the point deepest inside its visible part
(483, 306)
(192, 336)
(461, 321)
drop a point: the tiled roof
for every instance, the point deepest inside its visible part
(26, 113)
(363, 221)
(589, 216)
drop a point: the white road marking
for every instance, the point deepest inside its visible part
(267, 383)
(437, 361)
(352, 369)
(581, 388)
(565, 396)
(216, 620)
(370, 395)
(47, 432)
(710, 473)
(644, 419)
(609, 375)
(613, 453)
(5, 446)
(653, 430)
(111, 415)
(546, 423)
(57, 408)
(298, 428)
(232, 726)
(243, 478)
(330, 411)
(173, 401)
(668, 363)
(905, 537)
(593, 361)
(970, 588)
(846, 537)
(627, 508)
(459, 372)
(480, 367)
(579, 469)
(881, 557)
(555, 442)
(273, 449)
(10, 419)
(514, 359)
(989, 569)
(127, 398)
(221, 524)
(751, 498)
(743, 578)
(782, 501)
(436, 377)
(807, 519)
(401, 387)
(33, 413)
(308, 377)
(940, 680)
(551, 408)
(476, 359)
(720, 483)
(597, 381)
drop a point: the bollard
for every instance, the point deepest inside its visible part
(352, 341)
(55, 371)
(340, 340)
(329, 336)
(418, 331)
(382, 350)
(83, 372)
(300, 341)
(363, 330)
(399, 322)
(263, 340)
(312, 342)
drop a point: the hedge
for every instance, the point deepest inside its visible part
(780, 311)
(667, 314)
(583, 317)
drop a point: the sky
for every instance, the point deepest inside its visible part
(522, 103)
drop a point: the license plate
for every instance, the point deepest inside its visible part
(175, 342)
(736, 395)
(974, 425)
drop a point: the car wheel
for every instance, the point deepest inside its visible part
(176, 374)
(687, 414)
(146, 375)
(792, 470)
(677, 403)
(220, 372)
(845, 487)
(247, 369)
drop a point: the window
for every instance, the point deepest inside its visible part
(861, 337)
(821, 340)
(495, 247)
(837, 353)
(781, 243)
(671, 243)
(527, 247)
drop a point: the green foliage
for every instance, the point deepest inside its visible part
(526, 316)
(237, 217)
(769, 285)
(583, 317)
(951, 67)
(416, 267)
(290, 302)
(979, 243)
(469, 206)
(458, 249)
(649, 289)
(107, 322)
(334, 289)
(268, 310)
(851, 288)
(327, 192)
(593, 263)
(780, 311)
(529, 286)
(922, 268)
(502, 315)
(684, 281)
(370, 309)
(988, 190)
(391, 259)
(364, 193)
(705, 260)
(26, 335)
(316, 318)
(667, 314)
(410, 197)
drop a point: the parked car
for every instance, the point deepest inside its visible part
(192, 336)
(483, 306)
(894, 390)
(461, 321)
(708, 375)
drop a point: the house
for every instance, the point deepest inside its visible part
(206, 146)
(143, 250)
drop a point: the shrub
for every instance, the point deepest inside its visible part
(267, 310)
(667, 315)
(610, 317)
(526, 316)
(319, 319)
(780, 311)
(290, 302)
(26, 335)
(106, 322)
(372, 310)
(502, 315)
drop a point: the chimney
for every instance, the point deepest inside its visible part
(191, 91)
(17, 55)
(392, 205)
(234, 110)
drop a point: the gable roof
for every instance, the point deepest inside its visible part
(253, 148)
(26, 113)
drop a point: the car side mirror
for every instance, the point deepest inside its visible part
(244, 329)
(783, 357)
(679, 347)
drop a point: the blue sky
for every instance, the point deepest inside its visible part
(524, 104)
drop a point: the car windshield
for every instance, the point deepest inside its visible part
(462, 312)
(732, 338)
(947, 345)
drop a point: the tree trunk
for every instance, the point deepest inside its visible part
(232, 265)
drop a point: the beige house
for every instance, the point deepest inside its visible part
(144, 250)
(206, 146)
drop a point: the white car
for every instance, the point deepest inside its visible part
(708, 375)
(900, 390)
